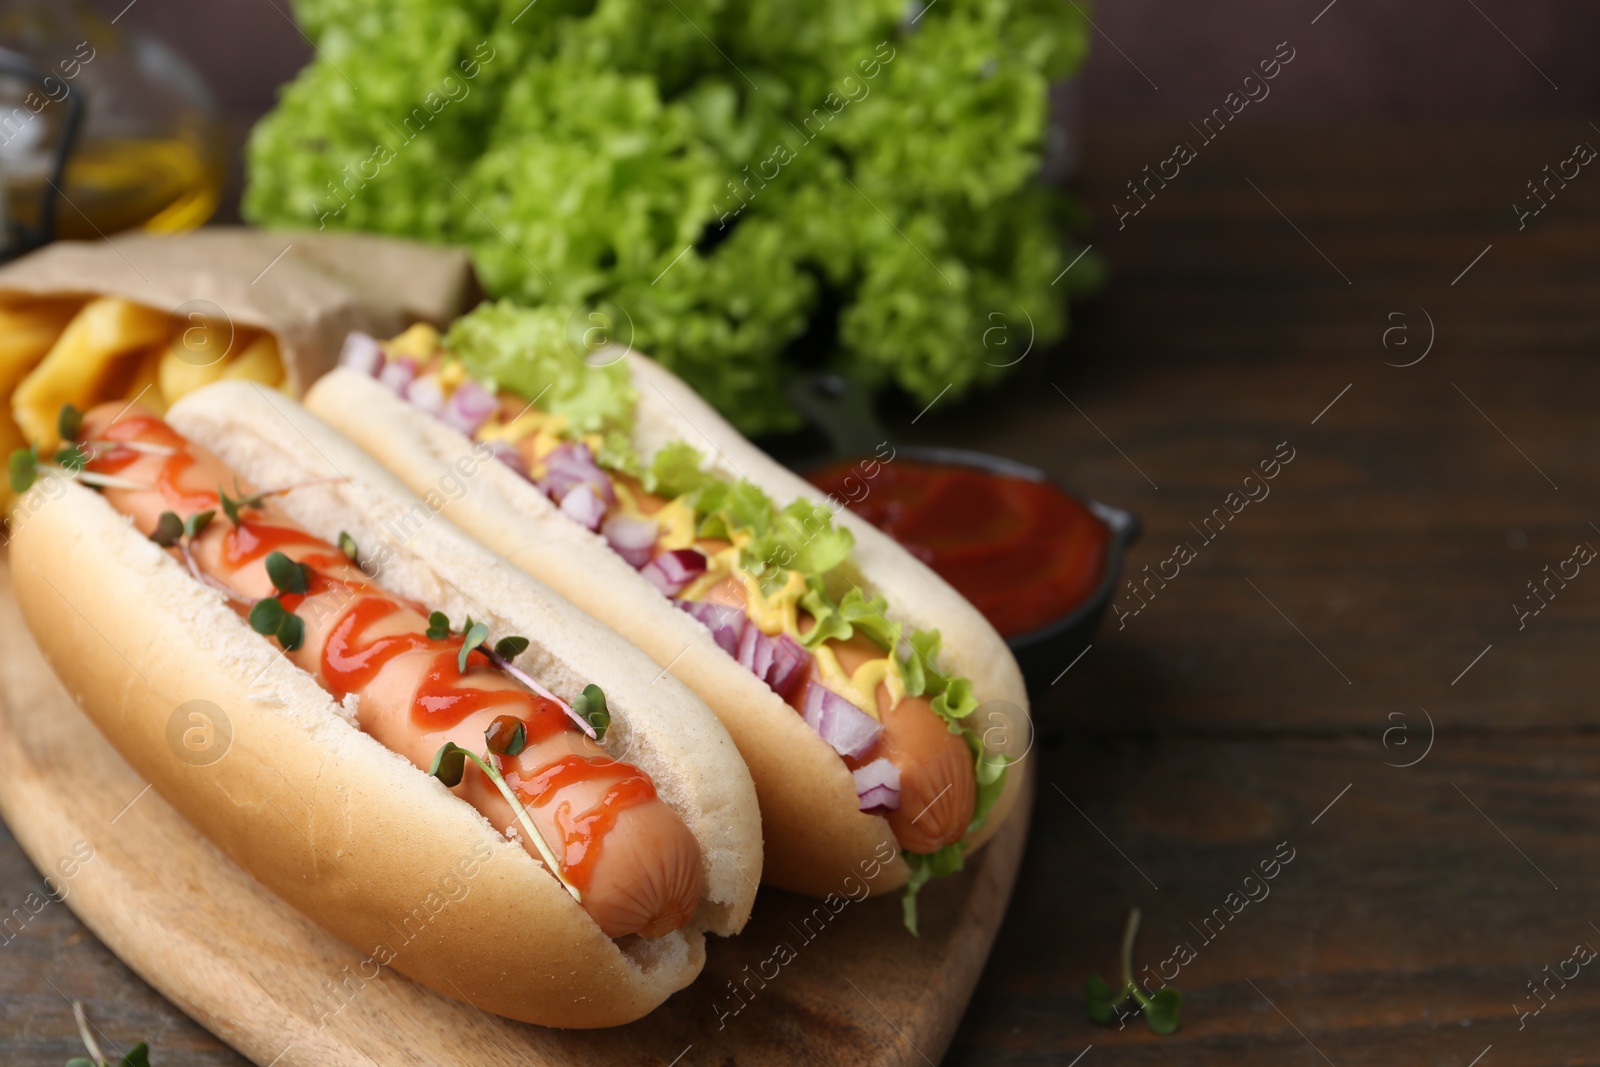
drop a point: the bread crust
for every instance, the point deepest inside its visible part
(351, 834)
(816, 837)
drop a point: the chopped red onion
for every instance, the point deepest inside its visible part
(789, 661)
(726, 623)
(878, 786)
(361, 353)
(755, 652)
(671, 571)
(510, 455)
(570, 465)
(584, 507)
(469, 407)
(851, 731)
(397, 373)
(631, 538)
(426, 395)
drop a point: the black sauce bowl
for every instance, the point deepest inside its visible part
(844, 416)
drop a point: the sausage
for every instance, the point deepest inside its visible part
(633, 859)
(938, 788)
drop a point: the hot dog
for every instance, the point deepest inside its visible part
(648, 848)
(875, 707)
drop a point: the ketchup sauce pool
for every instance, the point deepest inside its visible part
(1022, 551)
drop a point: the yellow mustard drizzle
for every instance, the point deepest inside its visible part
(778, 612)
(861, 688)
(719, 565)
(677, 522)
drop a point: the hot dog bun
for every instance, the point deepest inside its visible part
(816, 838)
(350, 833)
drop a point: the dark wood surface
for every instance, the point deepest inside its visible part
(1226, 716)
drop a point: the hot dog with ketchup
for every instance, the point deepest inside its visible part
(878, 711)
(628, 867)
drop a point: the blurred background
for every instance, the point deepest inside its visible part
(1429, 61)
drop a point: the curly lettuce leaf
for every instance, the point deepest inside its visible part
(675, 470)
(527, 350)
(940, 864)
(714, 176)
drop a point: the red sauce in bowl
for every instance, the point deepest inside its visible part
(1024, 552)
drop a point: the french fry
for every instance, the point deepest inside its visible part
(185, 368)
(90, 351)
(259, 362)
(26, 333)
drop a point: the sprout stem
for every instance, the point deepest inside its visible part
(527, 679)
(83, 1032)
(527, 822)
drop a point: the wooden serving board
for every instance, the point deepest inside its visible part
(850, 988)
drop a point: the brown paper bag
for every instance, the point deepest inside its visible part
(307, 289)
(149, 317)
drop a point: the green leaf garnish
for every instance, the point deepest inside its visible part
(232, 507)
(69, 422)
(266, 616)
(196, 524)
(511, 745)
(438, 626)
(287, 575)
(925, 867)
(449, 764)
(269, 618)
(169, 528)
(510, 647)
(293, 632)
(1160, 1009)
(590, 706)
(1102, 1002)
(137, 1056)
(23, 466)
(72, 457)
(347, 545)
(477, 633)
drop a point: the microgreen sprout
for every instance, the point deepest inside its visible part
(476, 634)
(449, 766)
(69, 422)
(287, 575)
(510, 647)
(590, 706)
(347, 545)
(507, 735)
(72, 458)
(231, 506)
(588, 711)
(271, 619)
(23, 467)
(1160, 1010)
(137, 1056)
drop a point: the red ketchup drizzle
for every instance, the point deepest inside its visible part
(147, 429)
(582, 833)
(351, 660)
(249, 541)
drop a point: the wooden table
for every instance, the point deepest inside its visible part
(1266, 693)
